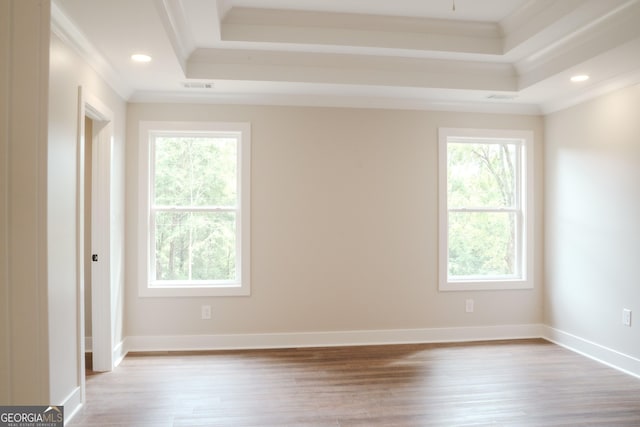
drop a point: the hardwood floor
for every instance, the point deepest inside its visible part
(505, 383)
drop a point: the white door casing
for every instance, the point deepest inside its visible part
(101, 283)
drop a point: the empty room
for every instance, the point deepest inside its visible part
(320, 212)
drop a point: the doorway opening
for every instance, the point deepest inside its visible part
(95, 331)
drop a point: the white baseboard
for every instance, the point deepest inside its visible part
(329, 339)
(615, 359)
(72, 404)
(88, 344)
(612, 358)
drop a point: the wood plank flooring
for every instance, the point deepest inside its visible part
(504, 383)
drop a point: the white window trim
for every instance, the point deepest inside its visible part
(241, 287)
(527, 162)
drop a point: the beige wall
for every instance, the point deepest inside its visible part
(593, 219)
(67, 72)
(344, 226)
(24, 341)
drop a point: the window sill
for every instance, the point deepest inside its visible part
(194, 291)
(485, 285)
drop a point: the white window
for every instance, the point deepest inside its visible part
(486, 222)
(194, 208)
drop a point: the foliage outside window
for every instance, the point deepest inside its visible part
(485, 201)
(196, 208)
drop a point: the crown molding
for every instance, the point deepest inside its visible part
(533, 19)
(177, 29)
(69, 33)
(336, 101)
(600, 36)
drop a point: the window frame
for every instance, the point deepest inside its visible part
(147, 285)
(523, 209)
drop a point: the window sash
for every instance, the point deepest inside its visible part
(518, 250)
(154, 135)
(153, 250)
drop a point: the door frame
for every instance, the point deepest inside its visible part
(101, 282)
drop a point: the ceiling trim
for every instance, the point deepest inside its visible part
(336, 101)
(359, 30)
(300, 67)
(177, 29)
(533, 19)
(69, 33)
(600, 36)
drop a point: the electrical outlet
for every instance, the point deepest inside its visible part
(205, 311)
(468, 306)
(626, 317)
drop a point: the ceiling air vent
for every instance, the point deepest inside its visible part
(197, 85)
(502, 96)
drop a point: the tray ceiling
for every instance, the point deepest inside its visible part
(513, 56)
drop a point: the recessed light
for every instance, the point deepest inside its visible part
(140, 57)
(580, 78)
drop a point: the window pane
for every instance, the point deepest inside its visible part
(195, 171)
(481, 175)
(195, 245)
(482, 244)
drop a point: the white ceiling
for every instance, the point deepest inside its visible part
(513, 56)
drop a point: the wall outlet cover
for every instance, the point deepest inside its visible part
(468, 305)
(205, 312)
